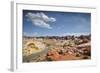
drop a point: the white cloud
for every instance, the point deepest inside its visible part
(40, 19)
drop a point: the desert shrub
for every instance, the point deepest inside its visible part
(77, 42)
(48, 59)
(28, 61)
(73, 37)
(85, 40)
(85, 57)
(48, 45)
(86, 52)
(77, 55)
(81, 36)
(60, 52)
(69, 43)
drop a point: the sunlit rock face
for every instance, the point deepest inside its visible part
(32, 47)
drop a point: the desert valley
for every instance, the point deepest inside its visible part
(56, 48)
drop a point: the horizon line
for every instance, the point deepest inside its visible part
(68, 34)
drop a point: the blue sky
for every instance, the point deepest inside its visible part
(50, 23)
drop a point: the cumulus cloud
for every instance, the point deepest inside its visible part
(40, 19)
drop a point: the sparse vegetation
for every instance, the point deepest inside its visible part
(55, 48)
